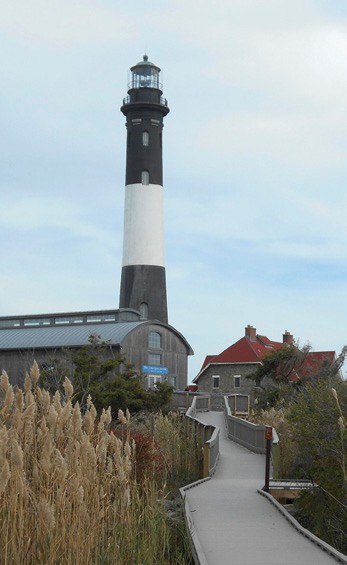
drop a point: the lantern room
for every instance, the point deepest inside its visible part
(145, 75)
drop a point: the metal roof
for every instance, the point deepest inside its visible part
(65, 336)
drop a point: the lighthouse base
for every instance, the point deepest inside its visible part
(143, 288)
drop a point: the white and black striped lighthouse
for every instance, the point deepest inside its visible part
(143, 281)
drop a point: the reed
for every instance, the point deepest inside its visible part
(278, 419)
(68, 492)
(180, 450)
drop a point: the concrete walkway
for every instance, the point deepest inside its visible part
(234, 523)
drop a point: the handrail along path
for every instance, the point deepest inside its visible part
(230, 523)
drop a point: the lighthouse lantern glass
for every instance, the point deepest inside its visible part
(145, 76)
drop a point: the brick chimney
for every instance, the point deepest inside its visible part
(288, 339)
(250, 333)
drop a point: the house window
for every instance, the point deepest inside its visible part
(145, 138)
(152, 380)
(145, 178)
(173, 381)
(144, 311)
(215, 382)
(154, 359)
(237, 381)
(154, 340)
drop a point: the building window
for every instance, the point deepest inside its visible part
(9, 323)
(152, 380)
(101, 318)
(237, 381)
(37, 322)
(154, 340)
(69, 320)
(215, 382)
(173, 381)
(145, 178)
(144, 311)
(154, 359)
(145, 138)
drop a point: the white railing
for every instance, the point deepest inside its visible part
(246, 433)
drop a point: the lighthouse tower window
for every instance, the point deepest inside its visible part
(145, 178)
(145, 138)
(143, 311)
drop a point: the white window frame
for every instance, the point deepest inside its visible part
(214, 377)
(152, 380)
(154, 340)
(235, 380)
(154, 359)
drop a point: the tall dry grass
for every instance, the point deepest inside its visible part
(179, 448)
(67, 488)
(278, 419)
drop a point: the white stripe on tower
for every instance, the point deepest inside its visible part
(143, 225)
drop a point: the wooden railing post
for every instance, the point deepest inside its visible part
(206, 469)
(268, 439)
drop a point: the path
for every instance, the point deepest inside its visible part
(234, 523)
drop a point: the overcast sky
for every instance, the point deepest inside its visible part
(255, 169)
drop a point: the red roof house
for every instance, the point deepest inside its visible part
(226, 372)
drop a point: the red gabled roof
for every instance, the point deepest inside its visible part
(313, 362)
(244, 351)
(208, 359)
(247, 350)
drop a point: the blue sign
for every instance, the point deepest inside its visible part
(154, 370)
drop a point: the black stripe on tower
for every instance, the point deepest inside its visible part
(144, 109)
(143, 288)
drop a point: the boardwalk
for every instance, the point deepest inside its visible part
(234, 523)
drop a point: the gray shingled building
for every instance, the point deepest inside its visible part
(156, 349)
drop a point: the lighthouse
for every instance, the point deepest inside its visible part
(139, 330)
(143, 279)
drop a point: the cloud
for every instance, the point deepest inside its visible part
(290, 138)
(64, 23)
